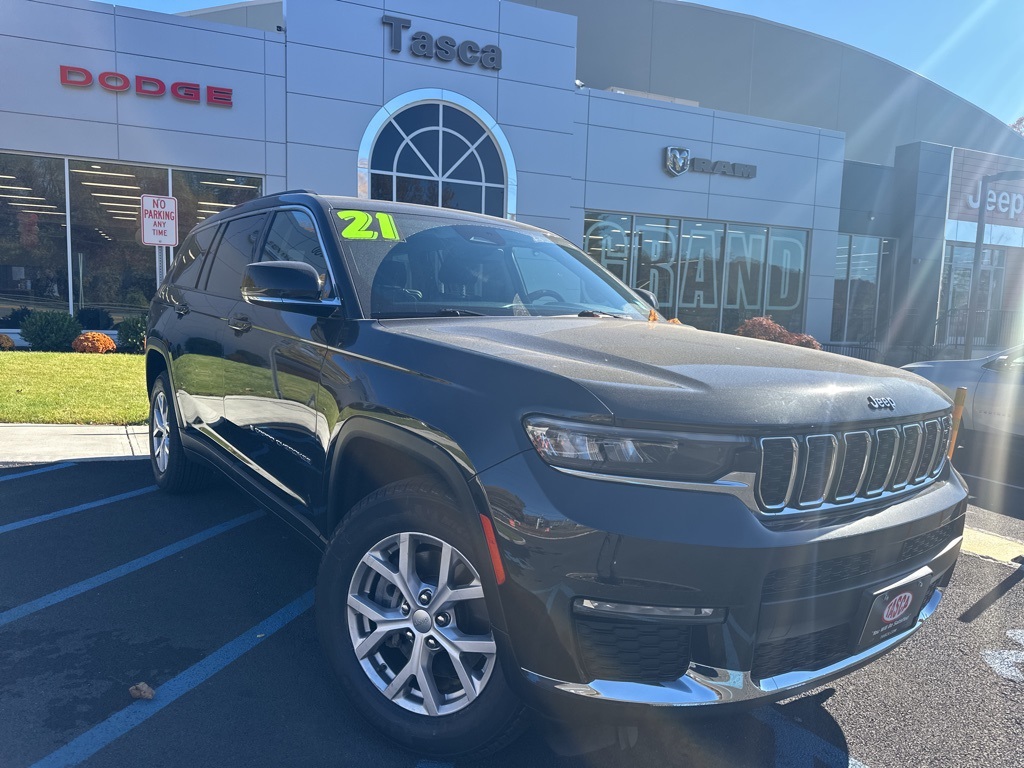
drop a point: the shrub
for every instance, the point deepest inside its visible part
(95, 342)
(805, 340)
(131, 335)
(15, 318)
(6, 343)
(768, 330)
(95, 318)
(50, 331)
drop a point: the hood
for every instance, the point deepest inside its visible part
(665, 373)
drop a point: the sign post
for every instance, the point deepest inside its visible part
(159, 222)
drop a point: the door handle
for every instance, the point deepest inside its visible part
(239, 323)
(181, 309)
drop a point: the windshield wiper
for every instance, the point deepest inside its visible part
(452, 312)
(598, 313)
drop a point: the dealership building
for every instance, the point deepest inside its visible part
(733, 166)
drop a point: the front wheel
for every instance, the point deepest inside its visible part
(403, 620)
(173, 470)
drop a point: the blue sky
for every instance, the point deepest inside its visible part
(975, 48)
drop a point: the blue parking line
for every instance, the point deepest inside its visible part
(72, 510)
(39, 471)
(26, 609)
(117, 725)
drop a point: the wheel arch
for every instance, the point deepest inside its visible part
(369, 453)
(156, 363)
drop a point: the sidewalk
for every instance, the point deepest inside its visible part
(42, 443)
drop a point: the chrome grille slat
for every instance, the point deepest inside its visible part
(819, 468)
(888, 441)
(804, 473)
(910, 449)
(947, 429)
(774, 453)
(928, 450)
(856, 460)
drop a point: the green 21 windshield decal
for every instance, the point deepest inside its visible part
(366, 226)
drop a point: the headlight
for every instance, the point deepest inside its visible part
(686, 456)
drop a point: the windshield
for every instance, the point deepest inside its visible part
(411, 265)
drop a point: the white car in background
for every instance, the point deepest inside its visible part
(995, 389)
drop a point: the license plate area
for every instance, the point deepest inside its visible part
(894, 608)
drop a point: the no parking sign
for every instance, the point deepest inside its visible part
(159, 220)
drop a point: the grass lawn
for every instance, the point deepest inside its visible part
(72, 388)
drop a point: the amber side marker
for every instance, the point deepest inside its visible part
(958, 412)
(492, 547)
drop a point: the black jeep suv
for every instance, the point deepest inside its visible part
(530, 489)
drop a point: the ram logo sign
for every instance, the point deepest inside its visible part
(678, 161)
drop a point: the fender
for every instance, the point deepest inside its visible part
(154, 345)
(436, 454)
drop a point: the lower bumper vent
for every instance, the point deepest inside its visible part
(633, 651)
(802, 653)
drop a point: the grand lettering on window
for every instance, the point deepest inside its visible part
(708, 274)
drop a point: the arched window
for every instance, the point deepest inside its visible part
(439, 153)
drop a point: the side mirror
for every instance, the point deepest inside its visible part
(292, 286)
(1001, 363)
(647, 296)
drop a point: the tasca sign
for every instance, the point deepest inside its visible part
(443, 48)
(678, 161)
(159, 220)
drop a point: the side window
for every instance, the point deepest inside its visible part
(189, 259)
(236, 250)
(293, 237)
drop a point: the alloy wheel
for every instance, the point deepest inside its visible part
(159, 432)
(419, 626)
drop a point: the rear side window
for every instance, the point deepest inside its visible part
(293, 237)
(236, 250)
(189, 259)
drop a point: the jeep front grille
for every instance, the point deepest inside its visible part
(806, 472)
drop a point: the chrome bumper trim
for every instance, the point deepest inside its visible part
(703, 685)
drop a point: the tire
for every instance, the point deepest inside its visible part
(465, 707)
(173, 470)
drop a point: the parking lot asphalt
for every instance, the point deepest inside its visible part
(106, 582)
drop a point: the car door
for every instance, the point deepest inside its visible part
(270, 406)
(193, 332)
(226, 367)
(999, 399)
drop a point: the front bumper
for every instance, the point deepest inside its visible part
(779, 592)
(702, 685)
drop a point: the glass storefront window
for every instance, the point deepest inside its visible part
(33, 235)
(436, 154)
(608, 240)
(708, 274)
(108, 267)
(700, 287)
(862, 301)
(111, 269)
(744, 263)
(658, 262)
(784, 281)
(201, 194)
(996, 322)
